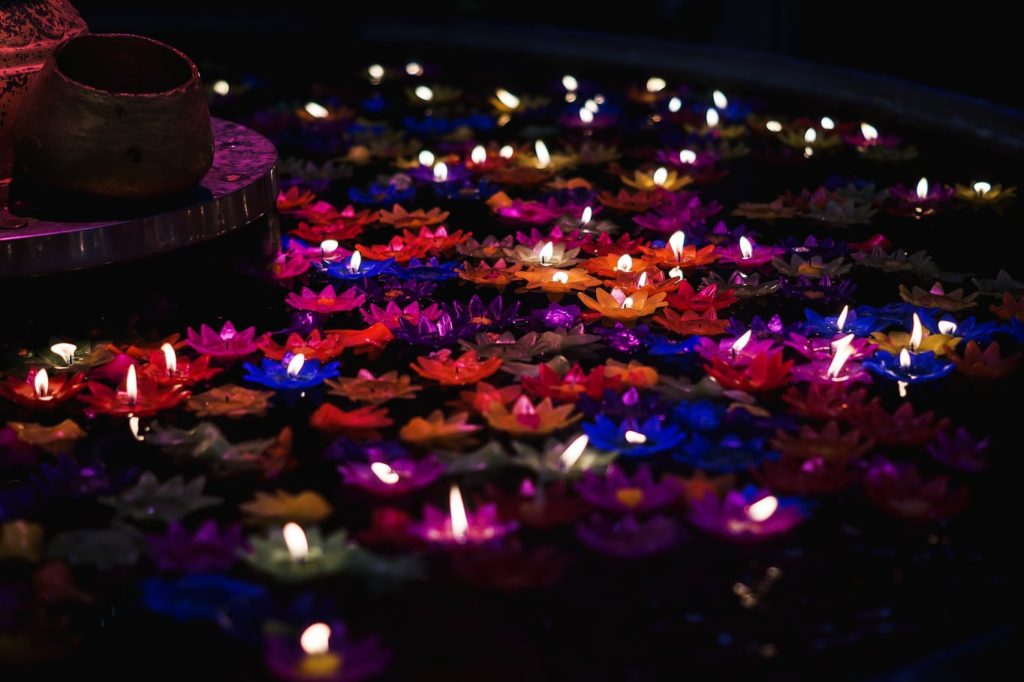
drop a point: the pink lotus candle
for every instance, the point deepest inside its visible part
(461, 526)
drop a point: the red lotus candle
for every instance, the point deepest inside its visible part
(166, 368)
(134, 398)
(41, 391)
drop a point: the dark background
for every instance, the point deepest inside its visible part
(969, 49)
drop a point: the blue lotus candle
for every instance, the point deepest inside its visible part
(293, 373)
(909, 368)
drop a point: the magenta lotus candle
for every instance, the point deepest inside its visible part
(461, 526)
(735, 351)
(392, 476)
(746, 254)
(921, 201)
(227, 344)
(746, 515)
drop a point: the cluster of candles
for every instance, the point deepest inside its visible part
(649, 274)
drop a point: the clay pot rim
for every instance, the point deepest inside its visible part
(193, 70)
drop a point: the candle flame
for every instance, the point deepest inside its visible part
(947, 327)
(570, 83)
(634, 437)
(827, 123)
(295, 365)
(328, 246)
(170, 359)
(902, 386)
(904, 358)
(676, 243)
(810, 136)
(746, 248)
(675, 104)
(460, 522)
(426, 158)
(712, 118)
(676, 273)
(560, 277)
(588, 215)
(507, 98)
(842, 342)
(841, 320)
(916, 333)
(773, 126)
(687, 156)
(625, 263)
(478, 155)
(131, 385)
(354, 261)
(506, 152)
(221, 87)
(316, 639)
(655, 84)
(42, 384)
(981, 188)
(573, 452)
(741, 343)
(592, 105)
(660, 176)
(627, 303)
(414, 69)
(546, 253)
(424, 93)
(843, 354)
(384, 472)
(763, 509)
(295, 540)
(543, 156)
(720, 100)
(868, 132)
(65, 351)
(586, 115)
(641, 281)
(317, 110)
(441, 172)
(376, 71)
(922, 189)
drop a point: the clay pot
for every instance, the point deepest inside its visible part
(29, 32)
(115, 116)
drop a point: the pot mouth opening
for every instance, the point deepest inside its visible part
(123, 64)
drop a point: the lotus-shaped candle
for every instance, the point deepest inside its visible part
(546, 254)
(662, 178)
(763, 373)
(448, 370)
(813, 476)
(208, 550)
(616, 305)
(828, 444)
(900, 490)
(324, 653)
(436, 429)
(628, 537)
(402, 219)
(327, 301)
(918, 340)
(230, 400)
(983, 194)
(846, 322)
(356, 267)
(134, 398)
(613, 266)
(746, 515)
(460, 526)
(365, 387)
(739, 350)
(172, 500)
(921, 201)
(499, 275)
(293, 373)
(691, 323)
(634, 438)
(632, 203)
(988, 364)
(40, 391)
(619, 492)
(909, 368)
(316, 346)
(388, 476)
(165, 368)
(558, 459)
(936, 297)
(281, 506)
(292, 554)
(555, 282)
(568, 387)
(960, 450)
(529, 419)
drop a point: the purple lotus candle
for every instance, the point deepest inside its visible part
(389, 476)
(745, 515)
(746, 254)
(325, 653)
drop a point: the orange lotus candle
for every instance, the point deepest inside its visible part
(616, 305)
(556, 282)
